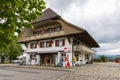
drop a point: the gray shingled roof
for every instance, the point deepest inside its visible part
(47, 14)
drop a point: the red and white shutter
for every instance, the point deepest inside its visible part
(63, 42)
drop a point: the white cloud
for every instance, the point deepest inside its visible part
(95, 8)
(99, 17)
(109, 48)
(117, 50)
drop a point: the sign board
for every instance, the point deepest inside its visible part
(67, 49)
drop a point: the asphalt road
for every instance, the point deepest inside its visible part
(11, 73)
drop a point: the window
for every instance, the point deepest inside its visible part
(49, 30)
(49, 44)
(45, 30)
(42, 31)
(59, 43)
(58, 28)
(42, 45)
(35, 33)
(33, 45)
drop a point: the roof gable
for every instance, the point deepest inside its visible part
(47, 14)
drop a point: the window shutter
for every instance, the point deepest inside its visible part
(50, 43)
(46, 30)
(30, 45)
(40, 44)
(35, 45)
(63, 42)
(56, 42)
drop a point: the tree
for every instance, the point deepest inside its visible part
(15, 15)
(103, 58)
(11, 51)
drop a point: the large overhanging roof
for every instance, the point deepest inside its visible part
(86, 38)
(84, 35)
(49, 14)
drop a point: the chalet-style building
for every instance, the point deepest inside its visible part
(53, 39)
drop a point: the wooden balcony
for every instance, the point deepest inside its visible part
(83, 48)
(46, 35)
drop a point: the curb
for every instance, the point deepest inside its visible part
(42, 68)
(54, 69)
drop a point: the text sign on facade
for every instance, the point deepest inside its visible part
(67, 49)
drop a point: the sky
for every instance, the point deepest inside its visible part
(101, 18)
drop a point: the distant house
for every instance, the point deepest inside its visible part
(53, 39)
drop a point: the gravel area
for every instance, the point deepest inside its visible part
(96, 71)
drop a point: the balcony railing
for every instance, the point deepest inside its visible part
(47, 35)
(83, 48)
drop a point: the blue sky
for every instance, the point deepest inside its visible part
(101, 18)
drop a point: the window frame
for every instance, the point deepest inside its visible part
(60, 43)
(48, 44)
(57, 28)
(33, 45)
(42, 44)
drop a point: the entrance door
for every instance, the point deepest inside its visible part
(42, 61)
(46, 59)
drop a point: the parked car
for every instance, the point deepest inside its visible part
(16, 61)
